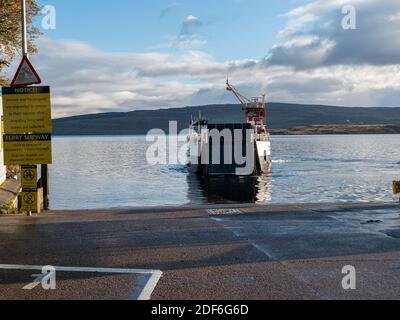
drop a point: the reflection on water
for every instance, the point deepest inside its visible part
(112, 172)
(224, 190)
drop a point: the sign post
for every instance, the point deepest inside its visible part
(29, 177)
(29, 201)
(27, 148)
(28, 126)
(26, 74)
(24, 32)
(26, 110)
(29, 195)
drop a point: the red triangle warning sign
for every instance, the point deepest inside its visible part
(26, 74)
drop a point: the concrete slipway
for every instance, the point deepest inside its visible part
(240, 252)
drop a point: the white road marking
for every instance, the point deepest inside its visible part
(263, 250)
(35, 283)
(155, 275)
(150, 286)
(240, 232)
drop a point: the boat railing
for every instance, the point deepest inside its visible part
(262, 137)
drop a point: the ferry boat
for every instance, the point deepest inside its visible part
(249, 140)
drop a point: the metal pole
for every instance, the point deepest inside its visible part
(45, 185)
(24, 31)
(44, 168)
(24, 39)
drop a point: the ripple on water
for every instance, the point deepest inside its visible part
(102, 172)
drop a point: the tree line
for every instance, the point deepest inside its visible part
(10, 32)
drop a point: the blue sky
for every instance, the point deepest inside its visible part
(134, 55)
(233, 29)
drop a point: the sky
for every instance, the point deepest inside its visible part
(127, 55)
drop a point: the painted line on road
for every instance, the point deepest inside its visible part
(145, 294)
(150, 286)
(240, 233)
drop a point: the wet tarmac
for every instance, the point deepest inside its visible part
(216, 252)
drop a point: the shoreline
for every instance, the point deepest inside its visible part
(185, 207)
(378, 129)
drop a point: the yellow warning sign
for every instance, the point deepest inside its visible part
(27, 148)
(26, 110)
(29, 200)
(29, 177)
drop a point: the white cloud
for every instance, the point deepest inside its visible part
(186, 39)
(189, 24)
(374, 41)
(393, 17)
(86, 80)
(315, 63)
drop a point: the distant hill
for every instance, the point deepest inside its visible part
(339, 129)
(280, 116)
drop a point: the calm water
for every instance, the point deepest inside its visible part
(112, 172)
